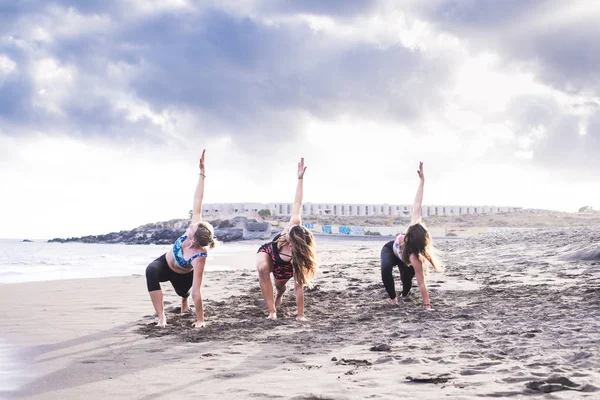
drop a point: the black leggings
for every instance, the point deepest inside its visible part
(159, 271)
(388, 261)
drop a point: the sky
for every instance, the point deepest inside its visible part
(106, 106)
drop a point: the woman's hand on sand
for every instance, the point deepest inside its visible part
(395, 301)
(202, 162)
(301, 168)
(199, 324)
(420, 171)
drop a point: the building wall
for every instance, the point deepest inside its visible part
(232, 209)
(346, 209)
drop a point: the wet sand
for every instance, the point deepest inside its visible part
(516, 314)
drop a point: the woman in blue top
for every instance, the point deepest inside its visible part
(183, 264)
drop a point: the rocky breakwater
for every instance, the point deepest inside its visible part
(241, 228)
(238, 228)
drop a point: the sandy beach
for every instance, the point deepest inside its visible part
(516, 314)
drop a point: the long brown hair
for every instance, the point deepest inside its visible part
(418, 241)
(303, 253)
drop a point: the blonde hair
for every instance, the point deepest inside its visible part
(303, 253)
(418, 241)
(204, 235)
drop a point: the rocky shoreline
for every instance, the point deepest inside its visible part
(238, 228)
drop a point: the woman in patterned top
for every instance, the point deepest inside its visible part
(183, 264)
(409, 251)
(290, 254)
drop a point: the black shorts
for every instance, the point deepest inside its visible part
(159, 271)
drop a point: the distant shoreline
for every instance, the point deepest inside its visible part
(464, 224)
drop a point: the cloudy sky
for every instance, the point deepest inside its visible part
(106, 105)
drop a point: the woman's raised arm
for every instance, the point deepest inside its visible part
(297, 207)
(416, 214)
(199, 195)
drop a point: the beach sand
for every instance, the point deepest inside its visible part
(511, 310)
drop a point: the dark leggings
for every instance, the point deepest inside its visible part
(159, 271)
(388, 261)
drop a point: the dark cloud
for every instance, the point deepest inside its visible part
(242, 70)
(568, 57)
(477, 15)
(238, 75)
(20, 8)
(254, 81)
(15, 99)
(562, 49)
(342, 8)
(564, 148)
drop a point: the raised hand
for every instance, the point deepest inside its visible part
(420, 171)
(202, 162)
(301, 168)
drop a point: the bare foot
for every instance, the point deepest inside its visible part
(395, 301)
(199, 324)
(272, 316)
(185, 307)
(162, 321)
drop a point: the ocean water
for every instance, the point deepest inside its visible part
(42, 261)
(12, 371)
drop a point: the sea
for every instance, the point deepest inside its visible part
(39, 260)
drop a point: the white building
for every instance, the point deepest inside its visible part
(346, 209)
(343, 209)
(232, 209)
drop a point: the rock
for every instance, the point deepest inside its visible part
(243, 228)
(257, 230)
(333, 358)
(427, 379)
(554, 384)
(229, 234)
(27, 241)
(550, 387)
(351, 361)
(381, 347)
(225, 224)
(238, 228)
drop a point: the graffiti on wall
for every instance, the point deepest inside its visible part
(326, 229)
(351, 230)
(330, 230)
